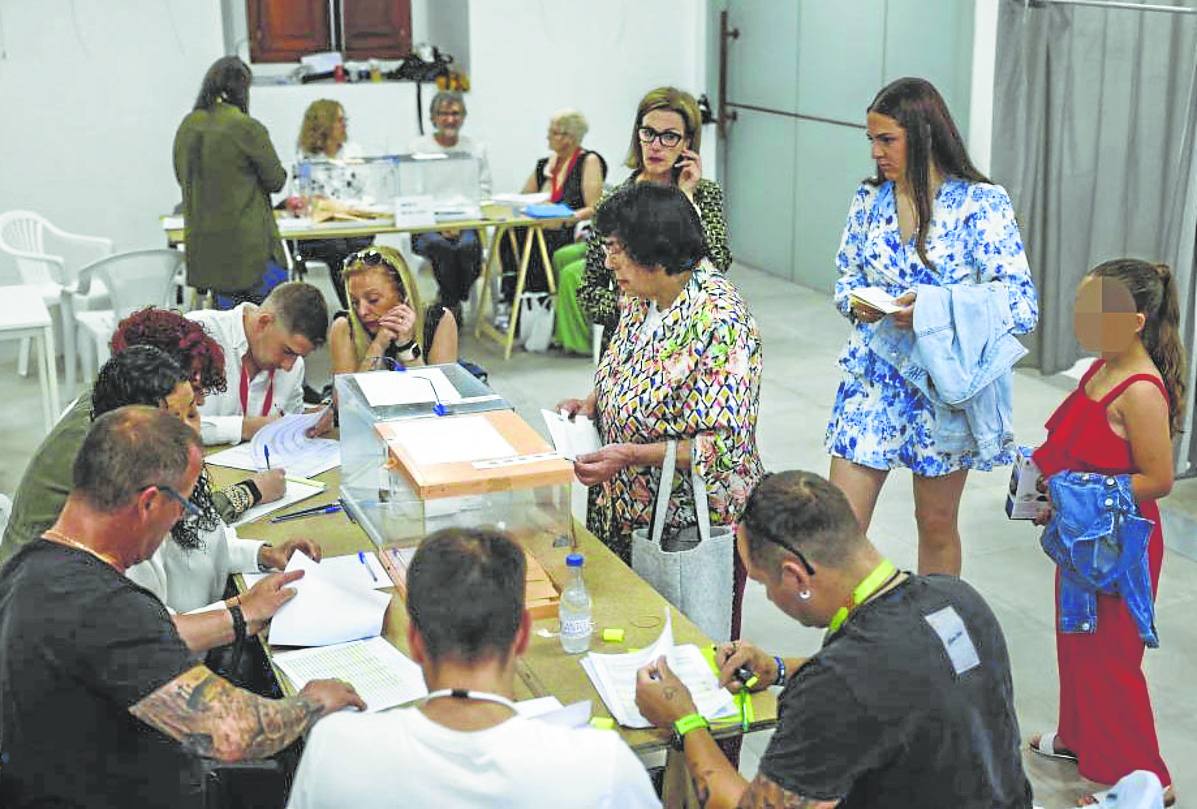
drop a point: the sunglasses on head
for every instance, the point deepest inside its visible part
(763, 533)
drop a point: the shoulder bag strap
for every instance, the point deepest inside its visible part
(701, 510)
(664, 490)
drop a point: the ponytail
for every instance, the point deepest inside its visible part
(1161, 338)
(1154, 291)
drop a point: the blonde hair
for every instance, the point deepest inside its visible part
(572, 123)
(672, 100)
(400, 275)
(318, 123)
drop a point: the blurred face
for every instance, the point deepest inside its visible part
(182, 405)
(632, 278)
(449, 119)
(373, 293)
(657, 128)
(165, 510)
(559, 140)
(1105, 319)
(888, 141)
(782, 595)
(273, 347)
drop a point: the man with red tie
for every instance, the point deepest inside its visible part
(264, 347)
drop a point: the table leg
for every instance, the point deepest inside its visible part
(544, 257)
(487, 272)
(39, 343)
(677, 789)
(52, 361)
(520, 277)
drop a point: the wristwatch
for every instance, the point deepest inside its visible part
(408, 351)
(681, 727)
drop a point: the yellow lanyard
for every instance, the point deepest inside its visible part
(881, 576)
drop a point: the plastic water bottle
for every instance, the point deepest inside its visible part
(303, 187)
(574, 609)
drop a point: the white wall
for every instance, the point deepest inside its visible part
(93, 93)
(980, 122)
(529, 58)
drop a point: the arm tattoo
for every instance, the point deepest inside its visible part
(764, 794)
(213, 718)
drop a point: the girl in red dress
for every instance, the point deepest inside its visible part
(1119, 421)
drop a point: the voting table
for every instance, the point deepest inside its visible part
(492, 231)
(620, 599)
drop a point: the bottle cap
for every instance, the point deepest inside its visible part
(574, 560)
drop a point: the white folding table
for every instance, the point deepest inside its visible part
(23, 314)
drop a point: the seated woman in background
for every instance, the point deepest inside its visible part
(666, 136)
(383, 325)
(324, 137)
(571, 176)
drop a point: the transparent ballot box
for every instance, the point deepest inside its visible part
(451, 178)
(431, 448)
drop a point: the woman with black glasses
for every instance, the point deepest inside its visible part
(666, 136)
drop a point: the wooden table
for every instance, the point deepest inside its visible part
(492, 231)
(620, 597)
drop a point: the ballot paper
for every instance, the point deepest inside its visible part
(450, 440)
(411, 386)
(351, 572)
(571, 437)
(297, 490)
(324, 610)
(614, 677)
(876, 298)
(292, 449)
(550, 709)
(380, 673)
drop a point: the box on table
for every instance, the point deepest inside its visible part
(1024, 501)
(406, 472)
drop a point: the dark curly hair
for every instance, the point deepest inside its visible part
(656, 224)
(145, 375)
(183, 340)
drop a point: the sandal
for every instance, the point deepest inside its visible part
(1046, 747)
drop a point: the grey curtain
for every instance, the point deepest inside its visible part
(1094, 133)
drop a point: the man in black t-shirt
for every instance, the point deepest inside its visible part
(101, 703)
(909, 702)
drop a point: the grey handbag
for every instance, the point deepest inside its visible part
(692, 567)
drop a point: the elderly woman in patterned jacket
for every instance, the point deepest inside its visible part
(684, 365)
(666, 135)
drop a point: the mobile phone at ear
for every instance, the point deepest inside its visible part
(678, 168)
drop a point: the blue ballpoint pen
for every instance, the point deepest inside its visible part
(361, 557)
(266, 452)
(316, 511)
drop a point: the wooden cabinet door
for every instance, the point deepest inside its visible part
(376, 28)
(285, 30)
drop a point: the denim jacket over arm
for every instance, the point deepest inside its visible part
(961, 355)
(1099, 541)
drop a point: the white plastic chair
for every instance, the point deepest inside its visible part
(134, 280)
(23, 236)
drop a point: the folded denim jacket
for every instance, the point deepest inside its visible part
(960, 354)
(1099, 541)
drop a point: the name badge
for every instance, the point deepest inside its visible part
(955, 638)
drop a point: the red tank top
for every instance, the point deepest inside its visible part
(1079, 436)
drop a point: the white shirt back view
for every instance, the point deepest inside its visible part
(402, 758)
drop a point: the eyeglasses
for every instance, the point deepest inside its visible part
(613, 248)
(669, 138)
(370, 257)
(189, 508)
(810, 570)
(450, 114)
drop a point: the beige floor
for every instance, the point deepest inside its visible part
(803, 334)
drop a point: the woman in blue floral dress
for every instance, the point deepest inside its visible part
(927, 217)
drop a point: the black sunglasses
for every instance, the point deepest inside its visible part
(760, 531)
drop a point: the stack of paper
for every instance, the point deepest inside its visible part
(572, 437)
(875, 298)
(325, 611)
(349, 571)
(380, 673)
(614, 677)
(290, 448)
(411, 386)
(450, 440)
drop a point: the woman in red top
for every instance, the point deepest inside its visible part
(1119, 421)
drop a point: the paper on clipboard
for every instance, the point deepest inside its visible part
(572, 437)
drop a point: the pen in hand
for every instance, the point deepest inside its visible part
(266, 452)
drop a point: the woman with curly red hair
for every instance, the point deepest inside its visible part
(47, 479)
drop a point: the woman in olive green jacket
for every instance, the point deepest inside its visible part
(228, 168)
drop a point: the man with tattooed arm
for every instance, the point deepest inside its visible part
(101, 702)
(909, 701)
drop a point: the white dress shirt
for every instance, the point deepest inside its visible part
(187, 580)
(221, 415)
(426, 144)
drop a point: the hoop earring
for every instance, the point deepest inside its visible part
(804, 595)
